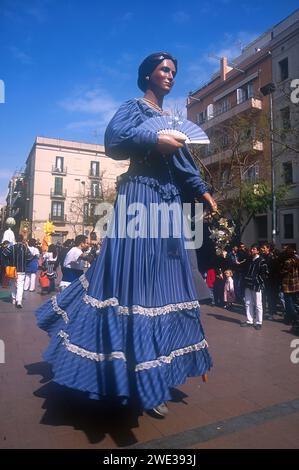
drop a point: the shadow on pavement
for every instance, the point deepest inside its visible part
(66, 407)
(223, 318)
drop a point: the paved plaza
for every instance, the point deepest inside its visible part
(251, 399)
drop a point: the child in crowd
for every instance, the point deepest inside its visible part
(229, 292)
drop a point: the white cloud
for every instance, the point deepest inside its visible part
(96, 102)
(93, 101)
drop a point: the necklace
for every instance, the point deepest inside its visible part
(153, 105)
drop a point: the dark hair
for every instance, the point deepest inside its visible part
(255, 245)
(20, 238)
(52, 249)
(149, 64)
(32, 242)
(80, 239)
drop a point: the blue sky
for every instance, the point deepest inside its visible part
(68, 64)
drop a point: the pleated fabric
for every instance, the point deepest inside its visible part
(130, 327)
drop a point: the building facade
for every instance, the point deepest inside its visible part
(285, 68)
(65, 180)
(234, 112)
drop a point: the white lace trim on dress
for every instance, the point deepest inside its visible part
(99, 357)
(168, 359)
(138, 309)
(59, 310)
(100, 303)
(84, 281)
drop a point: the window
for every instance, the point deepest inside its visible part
(95, 189)
(201, 117)
(285, 118)
(288, 172)
(92, 210)
(58, 186)
(223, 106)
(224, 140)
(57, 209)
(59, 163)
(251, 175)
(244, 92)
(284, 69)
(262, 227)
(210, 111)
(86, 209)
(288, 224)
(94, 169)
(225, 178)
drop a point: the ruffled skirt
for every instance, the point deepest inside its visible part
(130, 327)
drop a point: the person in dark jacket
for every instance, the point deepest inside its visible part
(254, 281)
(18, 255)
(270, 294)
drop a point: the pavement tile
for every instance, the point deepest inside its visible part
(252, 370)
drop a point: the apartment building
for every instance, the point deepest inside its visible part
(285, 68)
(232, 99)
(65, 180)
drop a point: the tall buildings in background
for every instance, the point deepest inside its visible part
(63, 181)
(236, 115)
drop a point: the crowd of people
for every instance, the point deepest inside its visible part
(54, 269)
(262, 278)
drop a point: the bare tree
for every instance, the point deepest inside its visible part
(238, 166)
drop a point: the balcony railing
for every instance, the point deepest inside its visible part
(58, 218)
(229, 110)
(251, 147)
(57, 194)
(94, 196)
(93, 174)
(59, 171)
(90, 219)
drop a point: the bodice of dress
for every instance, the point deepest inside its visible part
(168, 174)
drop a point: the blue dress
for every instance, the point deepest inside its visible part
(130, 327)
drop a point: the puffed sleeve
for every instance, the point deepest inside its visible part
(122, 136)
(187, 174)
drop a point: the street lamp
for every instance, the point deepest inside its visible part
(269, 90)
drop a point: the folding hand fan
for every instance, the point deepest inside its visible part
(177, 127)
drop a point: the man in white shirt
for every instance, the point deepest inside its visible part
(9, 236)
(73, 265)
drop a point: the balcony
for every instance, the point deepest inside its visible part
(93, 175)
(94, 196)
(250, 147)
(233, 109)
(90, 220)
(59, 171)
(54, 194)
(58, 219)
